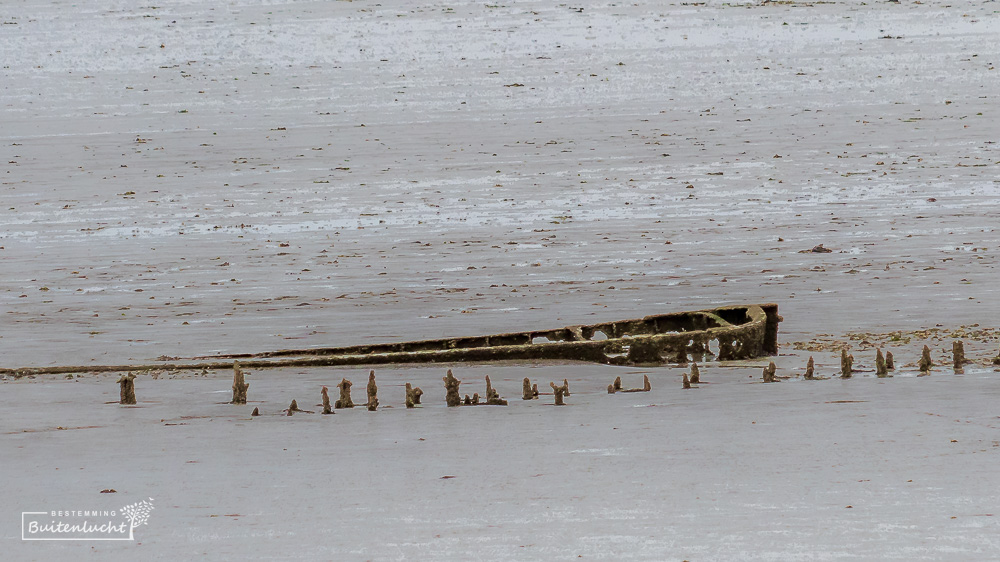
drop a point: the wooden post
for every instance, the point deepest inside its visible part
(127, 393)
(372, 393)
(846, 364)
(880, 369)
(958, 354)
(925, 360)
(451, 388)
(239, 386)
(560, 392)
(345, 395)
(326, 402)
(526, 393)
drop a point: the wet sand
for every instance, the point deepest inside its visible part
(200, 178)
(221, 194)
(900, 468)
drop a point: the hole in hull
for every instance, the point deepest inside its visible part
(623, 353)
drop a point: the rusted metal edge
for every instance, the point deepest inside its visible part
(724, 334)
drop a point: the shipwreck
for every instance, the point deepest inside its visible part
(722, 334)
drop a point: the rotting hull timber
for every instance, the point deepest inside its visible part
(725, 334)
(741, 332)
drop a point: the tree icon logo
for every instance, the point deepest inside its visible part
(137, 514)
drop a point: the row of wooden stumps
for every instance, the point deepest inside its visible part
(345, 401)
(529, 391)
(883, 364)
(451, 385)
(617, 385)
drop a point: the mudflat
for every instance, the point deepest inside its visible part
(215, 178)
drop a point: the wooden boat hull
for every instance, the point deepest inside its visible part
(737, 332)
(724, 334)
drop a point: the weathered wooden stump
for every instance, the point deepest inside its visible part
(925, 363)
(958, 354)
(127, 391)
(345, 395)
(412, 396)
(451, 388)
(846, 364)
(772, 369)
(492, 396)
(372, 393)
(326, 401)
(769, 372)
(409, 396)
(239, 386)
(560, 392)
(881, 370)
